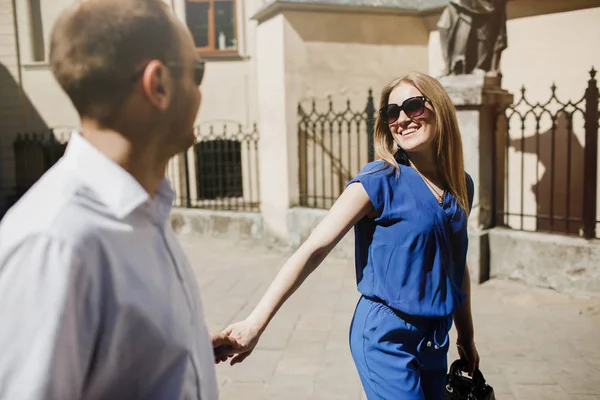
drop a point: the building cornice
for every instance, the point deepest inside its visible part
(395, 7)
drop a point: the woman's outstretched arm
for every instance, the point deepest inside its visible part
(351, 206)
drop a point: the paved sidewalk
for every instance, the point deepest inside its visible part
(534, 344)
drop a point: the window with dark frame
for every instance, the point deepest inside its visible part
(213, 25)
(219, 169)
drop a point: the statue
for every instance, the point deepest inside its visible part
(473, 36)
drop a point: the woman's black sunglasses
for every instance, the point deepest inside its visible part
(198, 70)
(412, 107)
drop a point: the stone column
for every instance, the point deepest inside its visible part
(279, 64)
(479, 100)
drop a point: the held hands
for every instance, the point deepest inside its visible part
(223, 345)
(469, 356)
(245, 334)
(237, 341)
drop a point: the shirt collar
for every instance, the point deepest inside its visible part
(115, 187)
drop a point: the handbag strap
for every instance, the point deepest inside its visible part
(457, 367)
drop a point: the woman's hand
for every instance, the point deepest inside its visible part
(468, 355)
(246, 334)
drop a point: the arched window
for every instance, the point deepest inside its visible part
(213, 24)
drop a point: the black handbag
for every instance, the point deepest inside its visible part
(459, 387)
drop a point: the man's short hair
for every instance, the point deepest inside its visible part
(97, 46)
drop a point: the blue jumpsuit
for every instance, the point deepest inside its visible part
(410, 263)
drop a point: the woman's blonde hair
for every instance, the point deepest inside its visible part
(449, 153)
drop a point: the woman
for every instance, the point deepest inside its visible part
(409, 210)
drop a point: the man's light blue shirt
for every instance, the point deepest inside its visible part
(97, 299)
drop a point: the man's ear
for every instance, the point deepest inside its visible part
(156, 84)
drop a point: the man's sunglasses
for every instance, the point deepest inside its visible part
(412, 107)
(198, 67)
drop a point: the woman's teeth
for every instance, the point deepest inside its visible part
(409, 131)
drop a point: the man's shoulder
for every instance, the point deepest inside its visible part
(57, 206)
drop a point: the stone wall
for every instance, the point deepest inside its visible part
(566, 264)
(234, 225)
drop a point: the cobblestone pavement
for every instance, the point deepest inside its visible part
(535, 344)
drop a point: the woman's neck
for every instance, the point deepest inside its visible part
(425, 163)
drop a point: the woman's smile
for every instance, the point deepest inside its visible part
(409, 131)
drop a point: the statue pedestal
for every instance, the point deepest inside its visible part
(479, 100)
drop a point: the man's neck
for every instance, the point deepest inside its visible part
(145, 162)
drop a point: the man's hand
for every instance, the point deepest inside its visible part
(224, 346)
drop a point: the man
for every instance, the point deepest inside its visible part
(97, 300)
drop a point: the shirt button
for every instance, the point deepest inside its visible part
(436, 347)
(429, 344)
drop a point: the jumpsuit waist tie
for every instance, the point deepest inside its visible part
(436, 329)
(431, 338)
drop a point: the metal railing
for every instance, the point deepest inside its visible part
(550, 164)
(332, 147)
(35, 153)
(220, 172)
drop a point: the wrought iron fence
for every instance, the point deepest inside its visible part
(332, 147)
(35, 153)
(220, 172)
(548, 164)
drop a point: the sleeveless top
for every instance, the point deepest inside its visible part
(412, 256)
